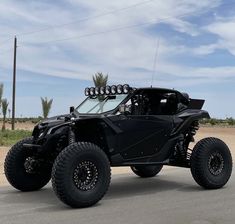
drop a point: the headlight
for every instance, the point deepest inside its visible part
(41, 134)
(113, 89)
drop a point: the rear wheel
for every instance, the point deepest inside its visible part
(23, 170)
(146, 171)
(81, 175)
(211, 163)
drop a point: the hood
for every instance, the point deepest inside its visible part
(44, 125)
(52, 121)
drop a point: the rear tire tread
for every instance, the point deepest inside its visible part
(198, 167)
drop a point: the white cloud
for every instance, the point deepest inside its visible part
(127, 55)
(224, 29)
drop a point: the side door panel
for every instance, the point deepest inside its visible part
(142, 135)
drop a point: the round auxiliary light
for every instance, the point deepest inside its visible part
(102, 90)
(97, 90)
(107, 90)
(126, 88)
(113, 89)
(119, 89)
(92, 91)
(87, 91)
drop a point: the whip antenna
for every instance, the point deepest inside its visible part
(155, 61)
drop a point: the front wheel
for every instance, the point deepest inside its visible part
(81, 175)
(146, 171)
(23, 170)
(211, 163)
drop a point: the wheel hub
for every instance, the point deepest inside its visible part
(216, 163)
(30, 165)
(85, 175)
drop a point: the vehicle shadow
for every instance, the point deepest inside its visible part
(130, 186)
(122, 186)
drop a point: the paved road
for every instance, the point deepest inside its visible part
(171, 198)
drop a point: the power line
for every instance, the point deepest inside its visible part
(101, 15)
(155, 21)
(87, 18)
(97, 33)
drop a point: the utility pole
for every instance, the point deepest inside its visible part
(14, 86)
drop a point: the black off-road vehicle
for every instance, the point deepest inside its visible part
(144, 128)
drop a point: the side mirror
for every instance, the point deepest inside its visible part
(124, 109)
(71, 110)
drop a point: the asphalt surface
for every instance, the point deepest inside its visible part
(172, 197)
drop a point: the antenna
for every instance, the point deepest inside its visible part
(155, 61)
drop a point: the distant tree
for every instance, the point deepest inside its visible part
(1, 92)
(4, 112)
(46, 106)
(230, 121)
(9, 113)
(100, 79)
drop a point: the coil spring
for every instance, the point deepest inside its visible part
(71, 137)
(194, 128)
(192, 131)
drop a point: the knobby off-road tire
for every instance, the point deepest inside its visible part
(211, 163)
(146, 171)
(81, 175)
(15, 169)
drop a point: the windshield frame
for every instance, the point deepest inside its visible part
(112, 111)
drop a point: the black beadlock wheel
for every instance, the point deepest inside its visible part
(19, 169)
(146, 171)
(81, 175)
(211, 163)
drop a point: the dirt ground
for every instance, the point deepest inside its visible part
(226, 134)
(20, 125)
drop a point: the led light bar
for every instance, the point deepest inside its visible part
(114, 89)
(92, 91)
(119, 89)
(97, 90)
(126, 88)
(87, 91)
(102, 90)
(107, 90)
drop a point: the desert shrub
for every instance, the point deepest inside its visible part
(230, 121)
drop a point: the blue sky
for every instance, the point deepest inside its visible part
(196, 51)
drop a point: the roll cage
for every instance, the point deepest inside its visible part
(138, 96)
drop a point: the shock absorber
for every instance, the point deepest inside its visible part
(193, 129)
(71, 136)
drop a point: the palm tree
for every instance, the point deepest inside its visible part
(4, 112)
(46, 106)
(100, 80)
